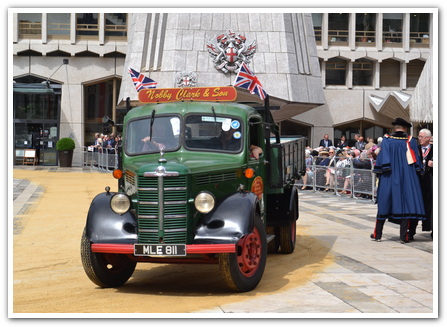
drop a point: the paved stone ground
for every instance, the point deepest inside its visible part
(367, 277)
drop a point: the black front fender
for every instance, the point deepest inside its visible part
(229, 221)
(105, 226)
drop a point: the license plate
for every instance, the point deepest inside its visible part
(159, 249)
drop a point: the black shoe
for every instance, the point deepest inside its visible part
(411, 237)
(403, 241)
(374, 239)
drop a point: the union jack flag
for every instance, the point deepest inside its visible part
(247, 80)
(140, 81)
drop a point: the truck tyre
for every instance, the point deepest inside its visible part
(287, 234)
(105, 269)
(242, 271)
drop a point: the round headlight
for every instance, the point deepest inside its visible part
(204, 202)
(120, 203)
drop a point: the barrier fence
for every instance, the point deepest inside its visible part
(103, 159)
(357, 183)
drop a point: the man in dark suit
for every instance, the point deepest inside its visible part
(325, 142)
(426, 180)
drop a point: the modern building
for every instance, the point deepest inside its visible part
(324, 72)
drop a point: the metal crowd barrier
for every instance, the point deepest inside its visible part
(102, 159)
(357, 183)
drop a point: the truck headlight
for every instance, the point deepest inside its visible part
(120, 203)
(204, 202)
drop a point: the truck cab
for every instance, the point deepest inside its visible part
(191, 190)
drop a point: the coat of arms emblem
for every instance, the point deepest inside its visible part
(229, 50)
(186, 79)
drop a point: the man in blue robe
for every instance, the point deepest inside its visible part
(399, 196)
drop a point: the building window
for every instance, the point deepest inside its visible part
(87, 26)
(317, 22)
(338, 29)
(30, 26)
(362, 72)
(390, 73)
(365, 29)
(116, 26)
(419, 30)
(336, 72)
(98, 102)
(414, 71)
(58, 26)
(392, 29)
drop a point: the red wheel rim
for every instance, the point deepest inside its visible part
(249, 255)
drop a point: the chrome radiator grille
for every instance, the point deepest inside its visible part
(162, 209)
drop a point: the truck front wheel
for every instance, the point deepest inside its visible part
(242, 271)
(105, 269)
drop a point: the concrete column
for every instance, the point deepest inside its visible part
(324, 30)
(44, 28)
(403, 75)
(349, 74)
(15, 27)
(102, 27)
(376, 82)
(351, 39)
(379, 31)
(72, 28)
(406, 32)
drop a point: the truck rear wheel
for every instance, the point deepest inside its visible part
(105, 269)
(242, 271)
(287, 234)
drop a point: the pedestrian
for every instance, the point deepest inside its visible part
(399, 196)
(426, 180)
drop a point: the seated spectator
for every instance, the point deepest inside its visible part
(370, 143)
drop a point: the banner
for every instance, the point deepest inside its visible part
(218, 93)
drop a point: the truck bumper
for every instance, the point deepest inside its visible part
(190, 248)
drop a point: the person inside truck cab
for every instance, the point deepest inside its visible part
(228, 140)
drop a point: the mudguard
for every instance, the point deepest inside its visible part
(229, 221)
(279, 207)
(105, 226)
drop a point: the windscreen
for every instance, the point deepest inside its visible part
(213, 133)
(147, 136)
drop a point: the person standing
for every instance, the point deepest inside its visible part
(326, 142)
(399, 196)
(426, 180)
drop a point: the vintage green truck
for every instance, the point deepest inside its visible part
(190, 191)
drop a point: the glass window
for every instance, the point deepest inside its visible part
(392, 28)
(116, 25)
(390, 73)
(214, 133)
(414, 71)
(58, 26)
(30, 26)
(365, 28)
(150, 136)
(336, 72)
(98, 102)
(419, 29)
(87, 26)
(362, 72)
(338, 29)
(35, 106)
(317, 21)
